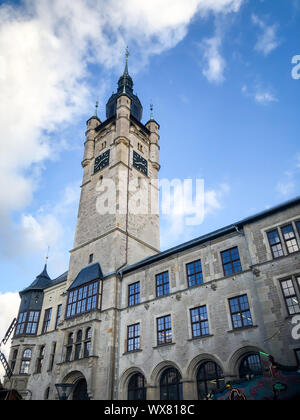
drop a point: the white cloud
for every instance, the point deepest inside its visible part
(264, 98)
(261, 95)
(175, 226)
(285, 188)
(215, 63)
(268, 40)
(9, 306)
(46, 47)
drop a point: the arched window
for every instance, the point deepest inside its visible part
(250, 365)
(80, 392)
(26, 359)
(210, 378)
(170, 385)
(136, 388)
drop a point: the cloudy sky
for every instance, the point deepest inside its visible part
(221, 76)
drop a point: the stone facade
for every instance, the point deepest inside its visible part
(101, 354)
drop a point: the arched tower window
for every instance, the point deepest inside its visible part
(137, 388)
(170, 385)
(210, 378)
(26, 359)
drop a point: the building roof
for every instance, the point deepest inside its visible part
(40, 283)
(86, 275)
(211, 236)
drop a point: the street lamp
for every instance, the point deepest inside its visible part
(64, 391)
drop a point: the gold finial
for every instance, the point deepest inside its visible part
(127, 54)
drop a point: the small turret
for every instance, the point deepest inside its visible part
(32, 297)
(154, 127)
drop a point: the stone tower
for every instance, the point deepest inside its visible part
(118, 222)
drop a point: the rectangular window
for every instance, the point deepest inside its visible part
(40, 360)
(47, 321)
(164, 330)
(231, 261)
(58, 316)
(133, 337)
(32, 324)
(275, 244)
(87, 348)
(162, 284)
(91, 258)
(52, 357)
(69, 353)
(27, 323)
(194, 273)
(199, 322)
(82, 300)
(290, 296)
(134, 294)
(290, 239)
(240, 312)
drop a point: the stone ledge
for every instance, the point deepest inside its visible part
(201, 337)
(243, 329)
(163, 345)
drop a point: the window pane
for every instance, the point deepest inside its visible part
(162, 284)
(231, 261)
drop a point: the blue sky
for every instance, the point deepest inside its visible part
(218, 73)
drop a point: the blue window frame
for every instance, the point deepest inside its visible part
(162, 284)
(231, 261)
(199, 321)
(194, 273)
(240, 312)
(164, 330)
(134, 294)
(82, 300)
(133, 337)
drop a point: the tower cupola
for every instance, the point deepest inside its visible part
(125, 87)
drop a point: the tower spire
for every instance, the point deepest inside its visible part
(151, 113)
(127, 55)
(47, 257)
(96, 109)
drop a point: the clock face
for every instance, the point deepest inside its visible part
(140, 163)
(102, 161)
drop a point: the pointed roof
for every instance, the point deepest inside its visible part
(88, 274)
(40, 283)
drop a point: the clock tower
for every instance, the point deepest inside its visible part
(118, 218)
